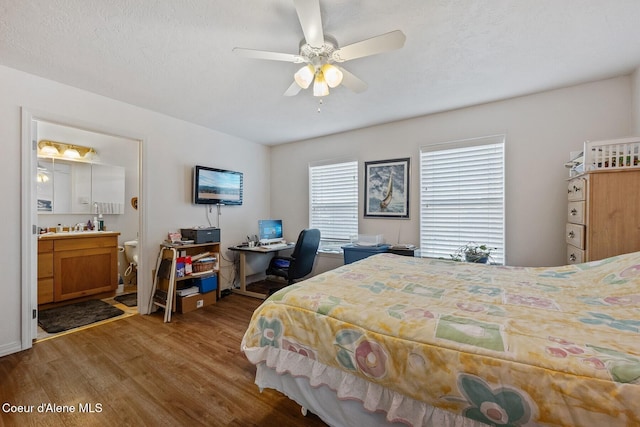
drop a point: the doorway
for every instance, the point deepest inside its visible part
(112, 148)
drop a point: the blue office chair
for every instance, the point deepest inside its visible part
(300, 263)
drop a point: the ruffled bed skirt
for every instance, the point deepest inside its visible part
(342, 399)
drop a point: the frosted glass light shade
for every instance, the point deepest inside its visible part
(71, 153)
(332, 75)
(320, 87)
(49, 150)
(304, 76)
(91, 156)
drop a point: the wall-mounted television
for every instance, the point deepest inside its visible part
(212, 186)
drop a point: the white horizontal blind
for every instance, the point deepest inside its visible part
(334, 200)
(462, 196)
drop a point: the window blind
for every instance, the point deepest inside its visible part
(334, 200)
(462, 196)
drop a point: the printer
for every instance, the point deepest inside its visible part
(201, 235)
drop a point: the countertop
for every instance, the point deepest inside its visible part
(77, 234)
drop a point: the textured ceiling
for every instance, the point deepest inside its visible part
(175, 56)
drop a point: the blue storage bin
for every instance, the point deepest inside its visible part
(206, 284)
(353, 253)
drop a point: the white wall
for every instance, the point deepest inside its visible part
(635, 103)
(170, 148)
(541, 130)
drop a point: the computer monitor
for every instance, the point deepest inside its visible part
(270, 231)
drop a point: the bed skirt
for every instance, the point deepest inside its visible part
(341, 399)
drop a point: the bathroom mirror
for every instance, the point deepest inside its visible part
(68, 187)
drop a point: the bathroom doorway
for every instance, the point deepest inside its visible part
(108, 149)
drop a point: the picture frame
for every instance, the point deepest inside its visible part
(386, 188)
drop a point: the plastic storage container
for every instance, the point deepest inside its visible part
(368, 240)
(206, 284)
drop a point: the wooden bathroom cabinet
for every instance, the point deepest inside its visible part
(45, 271)
(76, 265)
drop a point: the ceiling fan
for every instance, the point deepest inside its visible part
(320, 52)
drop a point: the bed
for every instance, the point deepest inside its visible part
(393, 340)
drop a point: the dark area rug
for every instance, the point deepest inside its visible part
(71, 316)
(130, 300)
(266, 286)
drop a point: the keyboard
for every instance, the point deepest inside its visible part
(276, 246)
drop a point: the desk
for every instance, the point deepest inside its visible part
(353, 253)
(244, 250)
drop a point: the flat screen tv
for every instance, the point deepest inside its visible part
(212, 186)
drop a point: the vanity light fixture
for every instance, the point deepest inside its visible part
(64, 150)
(49, 150)
(71, 153)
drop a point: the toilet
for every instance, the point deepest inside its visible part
(131, 252)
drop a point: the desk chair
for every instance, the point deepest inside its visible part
(300, 263)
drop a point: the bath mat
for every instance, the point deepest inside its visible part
(71, 316)
(130, 300)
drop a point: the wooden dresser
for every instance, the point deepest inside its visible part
(75, 265)
(603, 215)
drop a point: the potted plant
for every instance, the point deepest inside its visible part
(473, 252)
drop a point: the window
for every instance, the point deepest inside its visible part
(333, 202)
(462, 196)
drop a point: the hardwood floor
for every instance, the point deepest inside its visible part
(141, 371)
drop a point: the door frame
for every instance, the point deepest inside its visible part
(29, 216)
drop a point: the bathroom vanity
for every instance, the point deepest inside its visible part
(76, 264)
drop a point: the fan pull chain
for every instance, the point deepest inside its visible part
(319, 105)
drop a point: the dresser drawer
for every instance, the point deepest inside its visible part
(575, 212)
(575, 235)
(577, 189)
(574, 255)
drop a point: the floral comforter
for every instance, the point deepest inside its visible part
(500, 345)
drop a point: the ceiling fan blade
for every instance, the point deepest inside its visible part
(311, 21)
(352, 82)
(378, 44)
(293, 90)
(273, 56)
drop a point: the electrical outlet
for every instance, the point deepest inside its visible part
(200, 303)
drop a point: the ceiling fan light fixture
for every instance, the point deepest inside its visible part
(304, 76)
(320, 86)
(318, 51)
(332, 75)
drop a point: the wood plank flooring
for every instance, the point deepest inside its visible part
(140, 371)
